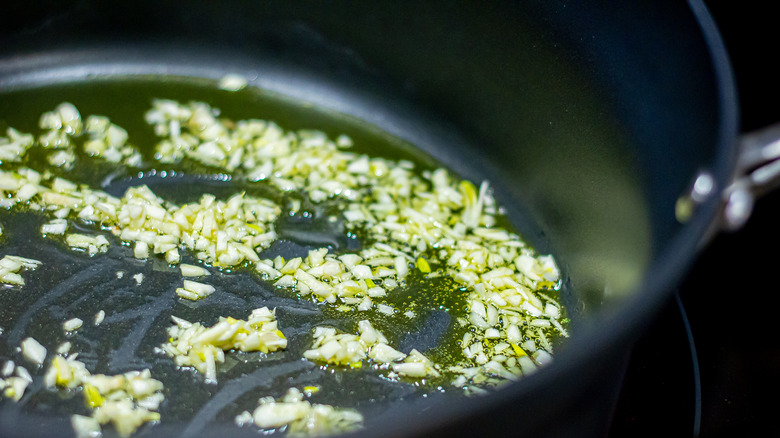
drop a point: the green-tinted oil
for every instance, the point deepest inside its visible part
(125, 101)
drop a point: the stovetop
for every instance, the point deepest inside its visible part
(710, 365)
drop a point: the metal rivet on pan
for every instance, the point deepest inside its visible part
(739, 206)
(702, 188)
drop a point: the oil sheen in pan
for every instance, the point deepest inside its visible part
(138, 315)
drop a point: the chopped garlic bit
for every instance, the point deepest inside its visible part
(14, 381)
(33, 351)
(232, 82)
(127, 401)
(416, 365)
(64, 348)
(8, 368)
(10, 266)
(14, 146)
(348, 349)
(91, 244)
(386, 309)
(193, 290)
(55, 226)
(72, 324)
(193, 345)
(193, 271)
(301, 417)
(99, 138)
(99, 317)
(109, 141)
(243, 419)
(85, 427)
(14, 386)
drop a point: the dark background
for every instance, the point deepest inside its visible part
(730, 296)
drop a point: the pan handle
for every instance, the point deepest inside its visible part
(757, 172)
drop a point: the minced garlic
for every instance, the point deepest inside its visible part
(332, 347)
(14, 381)
(193, 290)
(412, 224)
(301, 417)
(10, 266)
(193, 345)
(434, 221)
(127, 401)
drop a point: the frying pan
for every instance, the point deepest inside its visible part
(609, 132)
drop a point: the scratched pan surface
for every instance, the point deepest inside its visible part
(587, 132)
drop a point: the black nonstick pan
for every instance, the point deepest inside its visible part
(608, 131)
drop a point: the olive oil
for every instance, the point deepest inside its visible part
(430, 308)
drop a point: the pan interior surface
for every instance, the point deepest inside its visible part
(70, 284)
(74, 284)
(587, 134)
